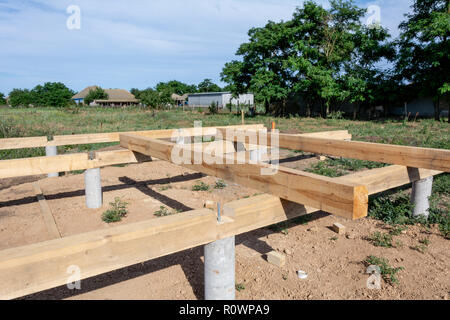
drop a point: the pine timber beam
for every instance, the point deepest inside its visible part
(349, 200)
(41, 266)
(415, 157)
(76, 139)
(386, 178)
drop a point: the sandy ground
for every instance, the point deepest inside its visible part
(334, 263)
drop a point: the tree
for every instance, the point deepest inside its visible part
(20, 98)
(323, 55)
(2, 99)
(208, 86)
(424, 49)
(95, 94)
(166, 89)
(51, 94)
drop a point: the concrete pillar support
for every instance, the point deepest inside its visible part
(220, 269)
(93, 187)
(421, 191)
(51, 151)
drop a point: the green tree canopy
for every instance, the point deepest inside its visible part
(424, 49)
(51, 94)
(20, 98)
(95, 94)
(208, 86)
(326, 55)
(2, 99)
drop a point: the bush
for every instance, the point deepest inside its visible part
(388, 273)
(95, 94)
(200, 187)
(117, 211)
(213, 108)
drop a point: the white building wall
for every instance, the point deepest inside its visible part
(222, 99)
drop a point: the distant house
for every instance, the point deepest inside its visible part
(220, 98)
(116, 97)
(179, 100)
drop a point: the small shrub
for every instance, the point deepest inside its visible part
(392, 211)
(165, 187)
(163, 212)
(388, 273)
(117, 211)
(213, 108)
(220, 184)
(379, 239)
(200, 187)
(240, 287)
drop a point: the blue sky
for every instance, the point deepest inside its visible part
(136, 43)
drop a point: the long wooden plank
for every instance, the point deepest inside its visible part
(382, 179)
(19, 143)
(349, 200)
(49, 220)
(427, 158)
(61, 140)
(336, 134)
(44, 265)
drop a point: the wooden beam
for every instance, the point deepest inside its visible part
(49, 220)
(68, 162)
(75, 139)
(427, 158)
(382, 179)
(337, 135)
(37, 267)
(349, 200)
(19, 143)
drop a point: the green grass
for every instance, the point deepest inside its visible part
(118, 210)
(336, 167)
(379, 239)
(388, 273)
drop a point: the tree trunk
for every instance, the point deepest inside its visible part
(436, 109)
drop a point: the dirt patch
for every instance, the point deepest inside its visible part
(334, 263)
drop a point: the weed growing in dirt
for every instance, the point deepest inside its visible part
(220, 184)
(379, 239)
(388, 273)
(163, 212)
(200, 187)
(336, 167)
(240, 287)
(165, 187)
(117, 211)
(392, 211)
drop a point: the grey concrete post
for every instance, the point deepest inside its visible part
(421, 191)
(51, 151)
(220, 270)
(93, 186)
(257, 154)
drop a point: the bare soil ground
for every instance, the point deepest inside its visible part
(334, 263)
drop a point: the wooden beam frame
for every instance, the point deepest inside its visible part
(427, 158)
(349, 200)
(41, 266)
(61, 140)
